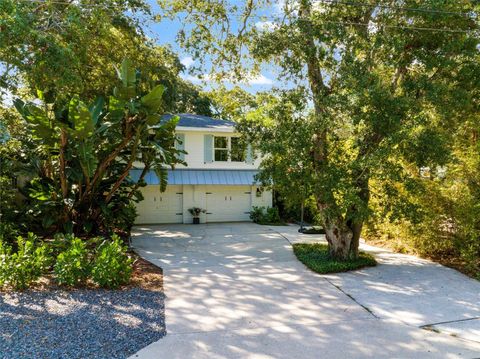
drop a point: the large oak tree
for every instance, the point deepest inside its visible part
(384, 81)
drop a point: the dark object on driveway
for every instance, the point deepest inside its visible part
(312, 230)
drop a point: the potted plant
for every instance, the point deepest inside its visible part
(195, 212)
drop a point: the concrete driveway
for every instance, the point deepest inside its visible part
(237, 291)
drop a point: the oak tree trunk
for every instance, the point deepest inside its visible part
(339, 237)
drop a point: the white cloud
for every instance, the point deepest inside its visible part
(266, 25)
(187, 61)
(250, 80)
(260, 80)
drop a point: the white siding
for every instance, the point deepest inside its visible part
(195, 153)
(224, 203)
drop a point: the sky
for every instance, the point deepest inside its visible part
(164, 33)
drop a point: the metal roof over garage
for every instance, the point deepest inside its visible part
(201, 177)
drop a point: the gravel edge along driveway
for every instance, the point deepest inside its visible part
(79, 324)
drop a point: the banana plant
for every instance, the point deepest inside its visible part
(92, 148)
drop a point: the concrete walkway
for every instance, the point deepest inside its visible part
(237, 291)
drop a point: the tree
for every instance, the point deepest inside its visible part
(85, 154)
(62, 47)
(384, 83)
(231, 104)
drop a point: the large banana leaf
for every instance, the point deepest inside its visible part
(87, 157)
(153, 100)
(79, 116)
(38, 120)
(153, 120)
(96, 109)
(127, 75)
(162, 174)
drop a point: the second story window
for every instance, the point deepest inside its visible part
(237, 150)
(229, 149)
(221, 148)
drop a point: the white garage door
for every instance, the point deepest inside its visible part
(228, 203)
(160, 207)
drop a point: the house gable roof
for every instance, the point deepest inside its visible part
(192, 121)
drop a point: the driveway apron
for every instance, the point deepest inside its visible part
(237, 291)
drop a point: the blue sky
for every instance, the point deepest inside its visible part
(165, 33)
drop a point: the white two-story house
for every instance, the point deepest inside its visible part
(219, 177)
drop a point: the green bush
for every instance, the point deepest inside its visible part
(256, 214)
(8, 231)
(445, 225)
(119, 215)
(112, 266)
(73, 267)
(21, 268)
(262, 215)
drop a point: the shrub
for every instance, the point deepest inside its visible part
(272, 215)
(112, 266)
(256, 214)
(262, 215)
(21, 268)
(8, 231)
(119, 215)
(73, 266)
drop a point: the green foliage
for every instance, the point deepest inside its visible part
(49, 47)
(196, 211)
(73, 267)
(440, 221)
(121, 216)
(8, 231)
(72, 261)
(85, 157)
(20, 268)
(112, 266)
(316, 257)
(370, 103)
(231, 104)
(14, 163)
(262, 215)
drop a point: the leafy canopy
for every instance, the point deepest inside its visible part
(382, 89)
(85, 154)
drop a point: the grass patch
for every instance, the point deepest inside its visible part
(315, 256)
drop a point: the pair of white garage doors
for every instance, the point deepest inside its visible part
(223, 204)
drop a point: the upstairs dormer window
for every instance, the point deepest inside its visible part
(228, 149)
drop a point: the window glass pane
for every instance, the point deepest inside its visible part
(221, 155)
(221, 142)
(238, 150)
